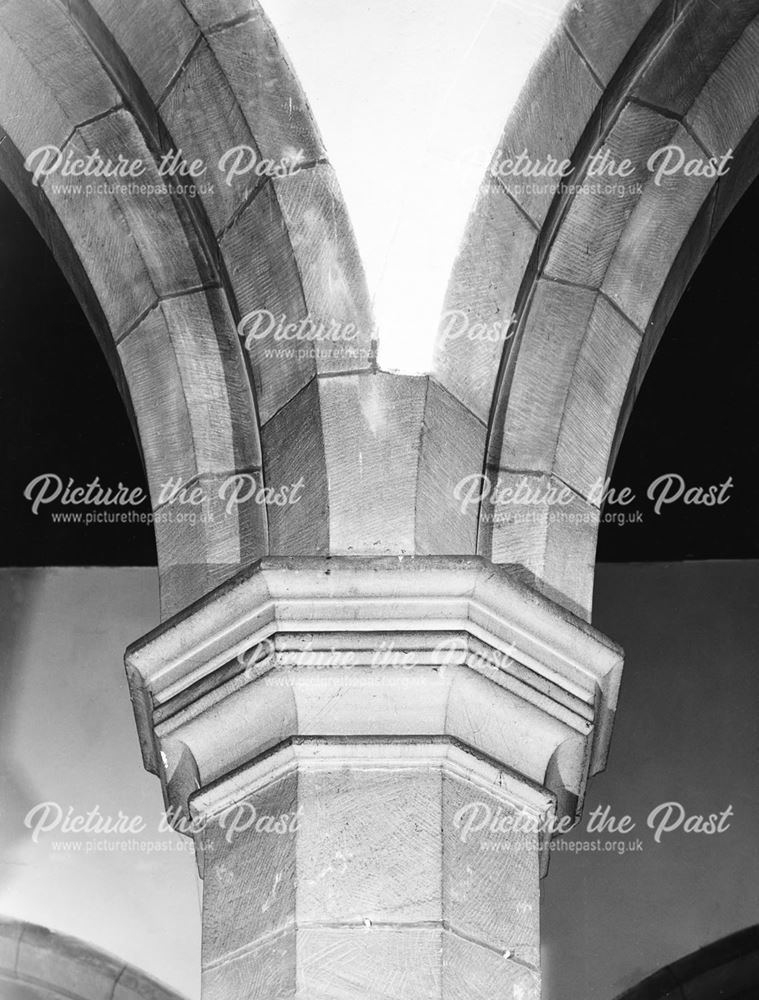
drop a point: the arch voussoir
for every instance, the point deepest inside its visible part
(169, 268)
(145, 274)
(615, 250)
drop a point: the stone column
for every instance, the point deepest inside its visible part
(371, 754)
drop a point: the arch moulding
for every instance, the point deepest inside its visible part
(591, 269)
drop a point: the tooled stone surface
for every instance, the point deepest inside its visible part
(400, 648)
(333, 870)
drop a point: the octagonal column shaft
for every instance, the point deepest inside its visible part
(370, 870)
(371, 754)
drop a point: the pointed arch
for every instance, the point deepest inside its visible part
(166, 275)
(589, 271)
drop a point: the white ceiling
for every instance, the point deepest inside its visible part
(411, 97)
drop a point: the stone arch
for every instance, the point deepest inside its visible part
(588, 279)
(36, 962)
(165, 278)
(726, 968)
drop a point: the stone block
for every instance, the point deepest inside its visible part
(600, 210)
(594, 400)
(657, 228)
(356, 963)
(490, 873)
(211, 13)
(39, 46)
(684, 62)
(293, 446)
(728, 104)
(155, 46)
(548, 352)
(330, 268)
(369, 847)
(249, 870)
(471, 972)
(372, 424)
(132, 240)
(548, 120)
(67, 964)
(604, 32)
(251, 56)
(10, 935)
(477, 328)
(267, 970)
(452, 450)
(374, 885)
(553, 541)
(205, 121)
(189, 426)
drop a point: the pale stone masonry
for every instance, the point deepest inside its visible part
(344, 737)
(38, 964)
(372, 893)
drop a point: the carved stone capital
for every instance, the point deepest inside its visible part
(372, 754)
(390, 648)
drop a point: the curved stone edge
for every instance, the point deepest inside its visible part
(509, 230)
(731, 963)
(165, 294)
(589, 284)
(70, 968)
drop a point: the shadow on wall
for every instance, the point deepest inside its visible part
(37, 964)
(644, 878)
(19, 596)
(71, 759)
(727, 969)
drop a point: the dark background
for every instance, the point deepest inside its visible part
(61, 412)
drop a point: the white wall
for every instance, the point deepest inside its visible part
(687, 731)
(67, 734)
